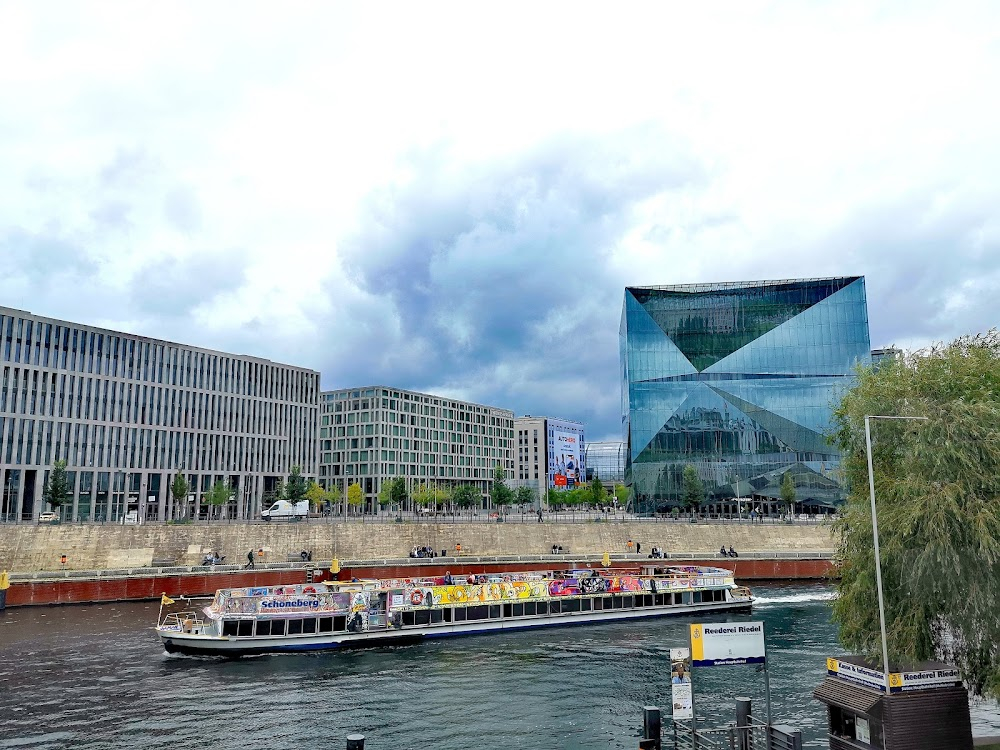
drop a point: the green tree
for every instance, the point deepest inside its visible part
(385, 493)
(316, 495)
(421, 495)
(597, 493)
(788, 491)
(399, 494)
(334, 496)
(525, 495)
(57, 489)
(355, 496)
(295, 488)
(692, 490)
(500, 493)
(180, 489)
(465, 496)
(621, 494)
(219, 494)
(937, 487)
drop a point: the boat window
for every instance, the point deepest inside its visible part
(460, 614)
(607, 602)
(598, 603)
(697, 597)
(447, 614)
(423, 617)
(647, 600)
(585, 604)
(479, 612)
(543, 608)
(517, 610)
(437, 615)
(678, 598)
(295, 627)
(326, 624)
(659, 599)
(494, 611)
(530, 609)
(278, 627)
(245, 629)
(263, 627)
(339, 623)
(508, 610)
(229, 627)
(628, 602)
(309, 626)
(571, 605)
(617, 602)
(555, 607)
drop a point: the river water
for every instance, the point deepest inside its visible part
(95, 676)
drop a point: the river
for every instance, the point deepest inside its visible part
(95, 677)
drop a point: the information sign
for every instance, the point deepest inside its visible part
(727, 643)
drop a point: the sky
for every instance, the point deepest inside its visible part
(451, 197)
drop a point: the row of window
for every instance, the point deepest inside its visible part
(60, 347)
(29, 391)
(507, 610)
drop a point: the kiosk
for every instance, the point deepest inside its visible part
(923, 707)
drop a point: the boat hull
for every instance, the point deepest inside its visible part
(234, 646)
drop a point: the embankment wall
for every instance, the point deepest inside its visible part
(94, 547)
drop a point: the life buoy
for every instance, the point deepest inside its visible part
(417, 597)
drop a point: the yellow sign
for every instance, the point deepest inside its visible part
(606, 561)
(4, 580)
(335, 566)
(165, 600)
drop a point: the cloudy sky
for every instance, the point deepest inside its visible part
(452, 197)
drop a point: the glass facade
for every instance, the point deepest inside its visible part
(605, 461)
(738, 380)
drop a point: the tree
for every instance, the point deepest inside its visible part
(316, 495)
(692, 490)
(621, 494)
(334, 496)
(525, 495)
(57, 489)
(398, 493)
(597, 493)
(937, 487)
(385, 493)
(421, 495)
(355, 496)
(219, 494)
(295, 489)
(788, 491)
(465, 496)
(180, 490)
(500, 493)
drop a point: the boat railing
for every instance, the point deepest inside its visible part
(182, 621)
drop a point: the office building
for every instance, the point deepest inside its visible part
(605, 461)
(550, 454)
(374, 434)
(128, 412)
(739, 381)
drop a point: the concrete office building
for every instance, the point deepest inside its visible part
(738, 380)
(128, 412)
(374, 434)
(550, 454)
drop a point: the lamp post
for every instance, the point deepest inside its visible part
(878, 560)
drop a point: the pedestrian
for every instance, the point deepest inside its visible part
(628, 546)
(250, 563)
(539, 515)
(637, 547)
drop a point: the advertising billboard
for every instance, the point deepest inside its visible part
(566, 455)
(680, 683)
(727, 643)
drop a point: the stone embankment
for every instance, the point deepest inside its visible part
(30, 548)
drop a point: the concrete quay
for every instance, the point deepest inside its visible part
(94, 547)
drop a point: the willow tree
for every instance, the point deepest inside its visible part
(937, 487)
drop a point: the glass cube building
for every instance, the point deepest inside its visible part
(740, 381)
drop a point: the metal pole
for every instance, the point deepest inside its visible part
(878, 559)
(355, 742)
(743, 723)
(767, 695)
(651, 727)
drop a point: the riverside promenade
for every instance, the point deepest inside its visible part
(75, 563)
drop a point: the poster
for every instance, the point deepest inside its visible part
(566, 459)
(680, 683)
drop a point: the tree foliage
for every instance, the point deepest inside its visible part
(180, 489)
(597, 493)
(692, 489)
(57, 489)
(218, 495)
(398, 493)
(788, 491)
(500, 493)
(465, 496)
(937, 487)
(355, 495)
(295, 488)
(316, 495)
(621, 494)
(525, 495)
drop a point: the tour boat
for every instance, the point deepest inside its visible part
(361, 613)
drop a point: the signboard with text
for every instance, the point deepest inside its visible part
(727, 643)
(939, 676)
(680, 683)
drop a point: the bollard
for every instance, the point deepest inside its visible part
(651, 726)
(355, 742)
(742, 723)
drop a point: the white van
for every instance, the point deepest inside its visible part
(284, 509)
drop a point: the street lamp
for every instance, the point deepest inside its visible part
(878, 561)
